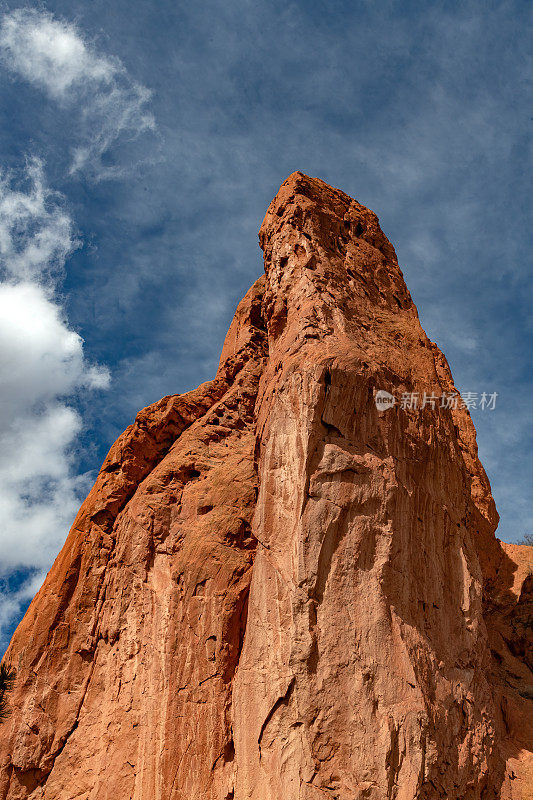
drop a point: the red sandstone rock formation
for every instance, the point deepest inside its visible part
(275, 591)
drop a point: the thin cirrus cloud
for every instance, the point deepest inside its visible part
(51, 54)
(42, 365)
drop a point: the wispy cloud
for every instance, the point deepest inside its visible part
(36, 234)
(41, 365)
(53, 55)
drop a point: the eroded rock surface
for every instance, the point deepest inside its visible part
(275, 591)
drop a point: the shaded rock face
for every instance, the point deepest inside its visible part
(275, 591)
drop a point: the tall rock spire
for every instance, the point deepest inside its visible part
(275, 589)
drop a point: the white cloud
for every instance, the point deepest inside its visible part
(53, 55)
(41, 357)
(41, 365)
(36, 235)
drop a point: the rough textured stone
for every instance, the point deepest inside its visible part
(275, 591)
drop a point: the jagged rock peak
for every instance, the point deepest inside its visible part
(275, 589)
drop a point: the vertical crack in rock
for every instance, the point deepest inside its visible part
(276, 590)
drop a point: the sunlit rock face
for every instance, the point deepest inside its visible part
(278, 589)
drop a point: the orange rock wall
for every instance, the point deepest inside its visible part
(275, 591)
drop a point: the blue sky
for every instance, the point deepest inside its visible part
(140, 144)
